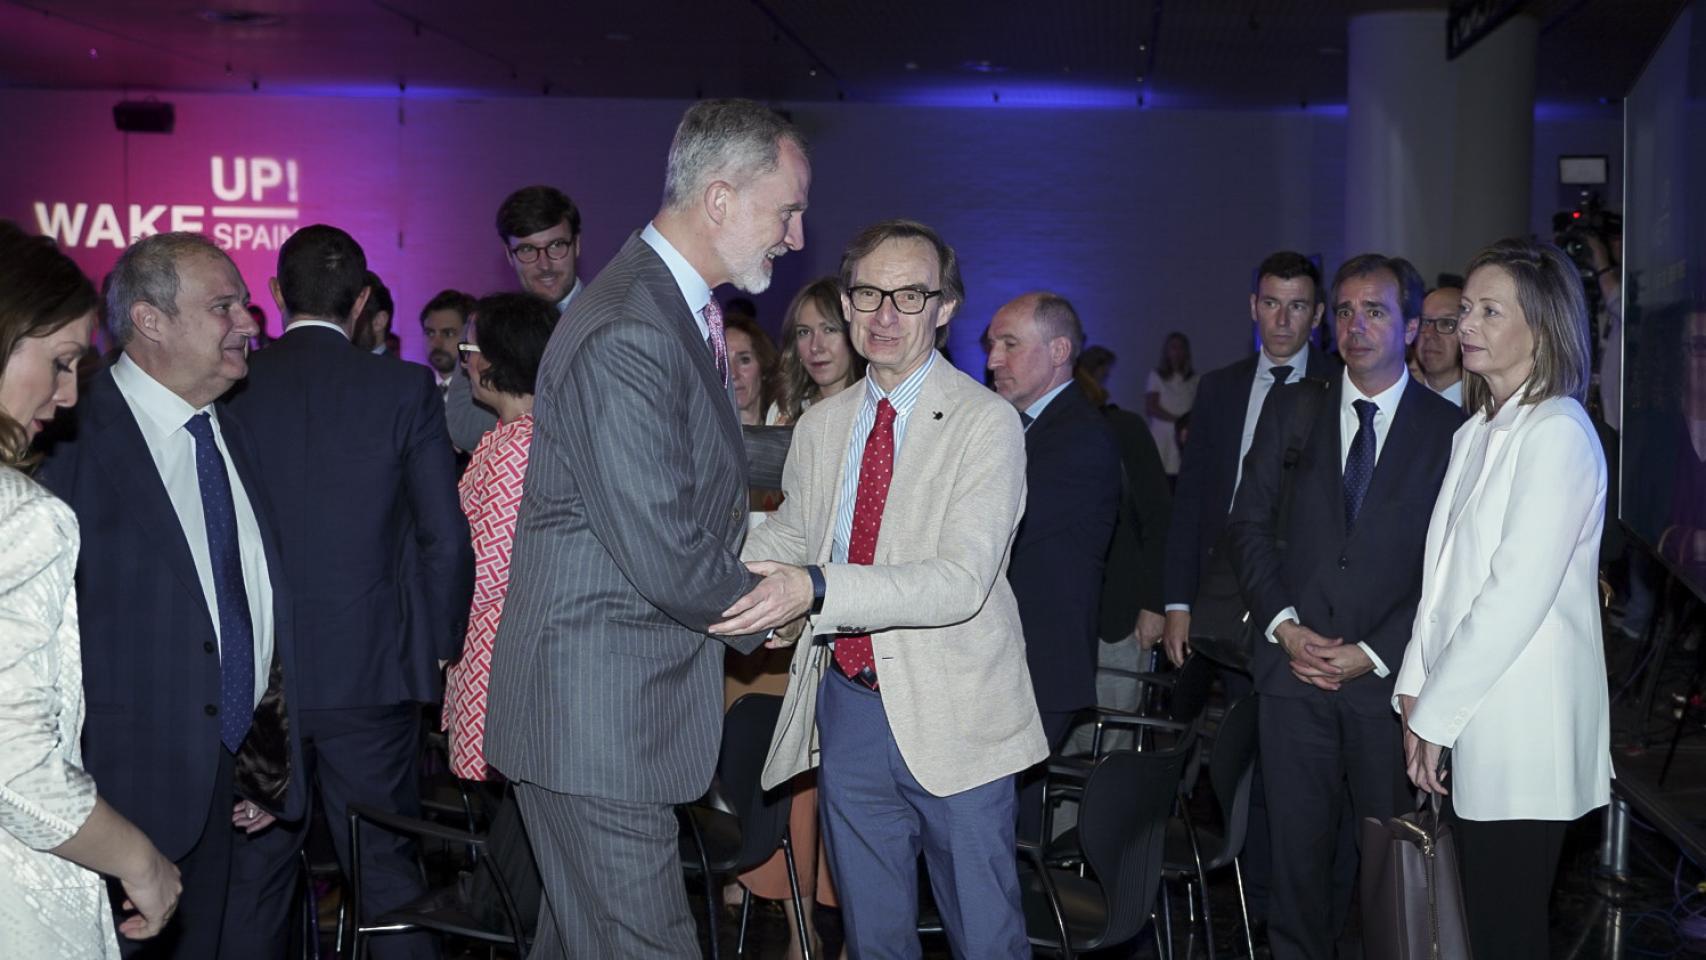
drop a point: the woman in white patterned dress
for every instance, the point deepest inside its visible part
(57, 836)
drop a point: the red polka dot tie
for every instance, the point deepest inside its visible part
(853, 654)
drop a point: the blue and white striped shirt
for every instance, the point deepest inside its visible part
(903, 398)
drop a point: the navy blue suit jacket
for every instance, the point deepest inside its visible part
(357, 461)
(150, 656)
(1209, 470)
(1072, 479)
(1362, 584)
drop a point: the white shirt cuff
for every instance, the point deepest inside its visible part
(1289, 613)
(1181, 607)
(1379, 664)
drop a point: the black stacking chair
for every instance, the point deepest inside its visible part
(740, 825)
(1192, 851)
(1122, 828)
(445, 910)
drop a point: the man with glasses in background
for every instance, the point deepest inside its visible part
(541, 232)
(1437, 350)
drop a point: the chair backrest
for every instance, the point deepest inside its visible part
(747, 728)
(1122, 826)
(1231, 771)
(1191, 688)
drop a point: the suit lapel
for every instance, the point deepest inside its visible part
(129, 471)
(678, 318)
(932, 415)
(1389, 474)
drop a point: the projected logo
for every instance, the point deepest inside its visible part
(254, 209)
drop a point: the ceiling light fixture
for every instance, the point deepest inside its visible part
(239, 18)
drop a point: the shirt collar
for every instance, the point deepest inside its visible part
(693, 287)
(1035, 410)
(1386, 400)
(160, 412)
(294, 324)
(905, 395)
(563, 304)
(1298, 362)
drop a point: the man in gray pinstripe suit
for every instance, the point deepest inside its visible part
(606, 690)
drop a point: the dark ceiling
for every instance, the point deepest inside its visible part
(1211, 53)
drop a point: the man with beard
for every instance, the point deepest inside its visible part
(606, 694)
(541, 232)
(444, 320)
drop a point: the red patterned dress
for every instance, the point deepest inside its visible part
(491, 495)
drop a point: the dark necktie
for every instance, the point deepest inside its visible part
(716, 339)
(853, 655)
(1281, 374)
(1025, 420)
(1359, 465)
(236, 632)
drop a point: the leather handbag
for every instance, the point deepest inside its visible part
(1412, 902)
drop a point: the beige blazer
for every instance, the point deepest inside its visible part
(943, 622)
(1505, 660)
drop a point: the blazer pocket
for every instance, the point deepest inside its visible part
(651, 641)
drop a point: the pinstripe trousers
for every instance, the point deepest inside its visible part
(611, 870)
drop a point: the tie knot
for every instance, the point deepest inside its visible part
(1366, 409)
(885, 411)
(200, 426)
(1281, 375)
(1026, 419)
(713, 312)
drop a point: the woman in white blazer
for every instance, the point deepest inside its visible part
(1505, 665)
(57, 836)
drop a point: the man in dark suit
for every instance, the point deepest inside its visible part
(356, 460)
(184, 606)
(1072, 479)
(1286, 306)
(605, 703)
(1332, 577)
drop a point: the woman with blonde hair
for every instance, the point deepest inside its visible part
(1505, 665)
(57, 835)
(818, 361)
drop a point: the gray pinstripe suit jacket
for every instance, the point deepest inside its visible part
(604, 682)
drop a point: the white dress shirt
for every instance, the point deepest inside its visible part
(292, 325)
(1454, 393)
(161, 415)
(563, 304)
(693, 287)
(1036, 409)
(1385, 406)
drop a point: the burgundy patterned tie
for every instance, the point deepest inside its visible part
(719, 344)
(853, 654)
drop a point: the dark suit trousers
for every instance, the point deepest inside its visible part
(612, 876)
(876, 821)
(1316, 750)
(194, 932)
(364, 755)
(1507, 869)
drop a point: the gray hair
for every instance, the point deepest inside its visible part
(732, 140)
(1055, 317)
(147, 272)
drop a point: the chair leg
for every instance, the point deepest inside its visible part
(353, 896)
(794, 892)
(1167, 916)
(1207, 915)
(745, 909)
(1244, 908)
(711, 909)
(1161, 949)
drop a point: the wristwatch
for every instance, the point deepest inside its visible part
(816, 573)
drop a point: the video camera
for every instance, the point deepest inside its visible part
(1572, 228)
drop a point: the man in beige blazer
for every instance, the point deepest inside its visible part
(902, 498)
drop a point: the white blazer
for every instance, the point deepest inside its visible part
(1506, 660)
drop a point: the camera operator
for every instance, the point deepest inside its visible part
(1594, 241)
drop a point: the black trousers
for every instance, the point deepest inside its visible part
(1507, 868)
(1316, 753)
(195, 930)
(1056, 725)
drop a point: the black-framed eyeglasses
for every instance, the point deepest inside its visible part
(555, 250)
(1445, 325)
(908, 300)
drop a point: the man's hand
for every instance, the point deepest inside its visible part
(1150, 628)
(783, 594)
(1176, 635)
(786, 635)
(1351, 660)
(1302, 645)
(1412, 743)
